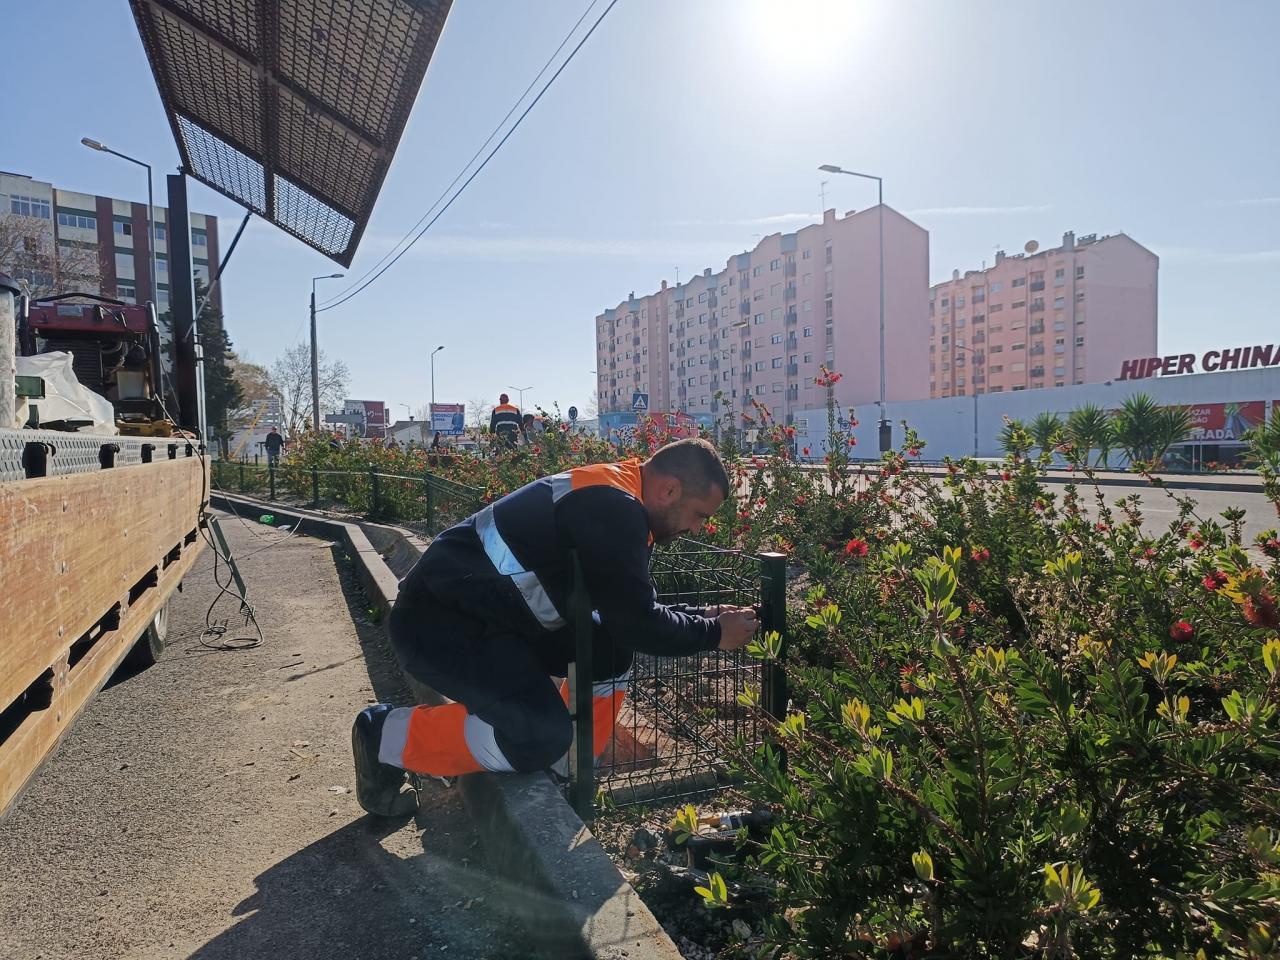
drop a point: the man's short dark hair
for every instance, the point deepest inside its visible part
(695, 463)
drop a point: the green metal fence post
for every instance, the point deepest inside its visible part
(429, 498)
(315, 487)
(773, 616)
(242, 476)
(373, 493)
(271, 480)
(582, 766)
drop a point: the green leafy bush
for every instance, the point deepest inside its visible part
(1020, 726)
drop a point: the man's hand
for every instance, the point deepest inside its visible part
(737, 626)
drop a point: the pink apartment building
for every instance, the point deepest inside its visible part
(1051, 318)
(763, 326)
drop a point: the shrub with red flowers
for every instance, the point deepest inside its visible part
(1021, 726)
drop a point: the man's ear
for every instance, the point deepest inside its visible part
(669, 489)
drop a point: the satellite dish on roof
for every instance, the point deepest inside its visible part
(1031, 246)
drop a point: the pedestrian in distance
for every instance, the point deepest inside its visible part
(482, 619)
(504, 422)
(435, 441)
(274, 444)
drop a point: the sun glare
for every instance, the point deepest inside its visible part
(808, 33)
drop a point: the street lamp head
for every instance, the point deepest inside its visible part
(830, 168)
(92, 144)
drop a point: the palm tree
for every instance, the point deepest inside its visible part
(1172, 426)
(1045, 429)
(1134, 426)
(1089, 427)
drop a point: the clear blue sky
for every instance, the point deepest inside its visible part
(687, 127)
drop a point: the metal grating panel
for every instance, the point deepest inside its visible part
(79, 452)
(293, 108)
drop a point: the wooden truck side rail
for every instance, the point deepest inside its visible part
(88, 557)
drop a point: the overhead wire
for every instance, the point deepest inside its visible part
(479, 150)
(418, 236)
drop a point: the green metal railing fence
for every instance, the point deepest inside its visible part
(680, 713)
(424, 501)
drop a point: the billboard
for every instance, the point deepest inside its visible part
(372, 414)
(1224, 422)
(449, 419)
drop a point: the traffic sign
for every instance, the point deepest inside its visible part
(573, 414)
(640, 402)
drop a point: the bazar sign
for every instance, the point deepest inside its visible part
(1237, 358)
(1224, 421)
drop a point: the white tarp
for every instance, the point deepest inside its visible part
(64, 397)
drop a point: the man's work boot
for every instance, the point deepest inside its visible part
(377, 784)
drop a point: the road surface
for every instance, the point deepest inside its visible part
(203, 807)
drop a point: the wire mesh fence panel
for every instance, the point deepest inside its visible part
(680, 712)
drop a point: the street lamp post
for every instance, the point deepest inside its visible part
(520, 390)
(886, 434)
(151, 211)
(433, 373)
(975, 396)
(315, 354)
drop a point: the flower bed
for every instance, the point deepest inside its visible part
(1018, 727)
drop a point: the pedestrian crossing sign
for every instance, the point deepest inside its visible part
(640, 402)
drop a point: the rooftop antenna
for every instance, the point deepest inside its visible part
(822, 194)
(677, 276)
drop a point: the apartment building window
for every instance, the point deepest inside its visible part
(724, 288)
(775, 289)
(775, 313)
(960, 321)
(758, 319)
(127, 291)
(997, 348)
(30, 206)
(703, 338)
(946, 302)
(724, 311)
(807, 279)
(693, 381)
(759, 389)
(200, 238)
(978, 318)
(808, 331)
(1079, 273)
(1017, 367)
(997, 368)
(777, 388)
(1079, 341)
(1019, 387)
(1079, 296)
(759, 365)
(775, 264)
(1017, 305)
(703, 379)
(977, 295)
(959, 302)
(1018, 346)
(792, 360)
(79, 221)
(997, 287)
(122, 228)
(830, 305)
(776, 363)
(806, 254)
(808, 306)
(995, 308)
(1059, 302)
(828, 251)
(831, 355)
(756, 271)
(1059, 274)
(759, 294)
(1019, 282)
(702, 297)
(776, 338)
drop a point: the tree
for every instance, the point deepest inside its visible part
(255, 390)
(478, 413)
(1014, 438)
(1044, 430)
(1088, 428)
(1145, 431)
(28, 255)
(290, 377)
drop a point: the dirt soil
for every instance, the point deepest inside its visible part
(204, 807)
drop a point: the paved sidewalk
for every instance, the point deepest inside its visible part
(204, 807)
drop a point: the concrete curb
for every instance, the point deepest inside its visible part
(564, 887)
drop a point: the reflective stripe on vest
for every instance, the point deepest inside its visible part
(526, 581)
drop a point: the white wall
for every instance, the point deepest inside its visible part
(947, 424)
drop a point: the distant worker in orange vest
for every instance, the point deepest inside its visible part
(504, 422)
(482, 619)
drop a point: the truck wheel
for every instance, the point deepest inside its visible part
(151, 644)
